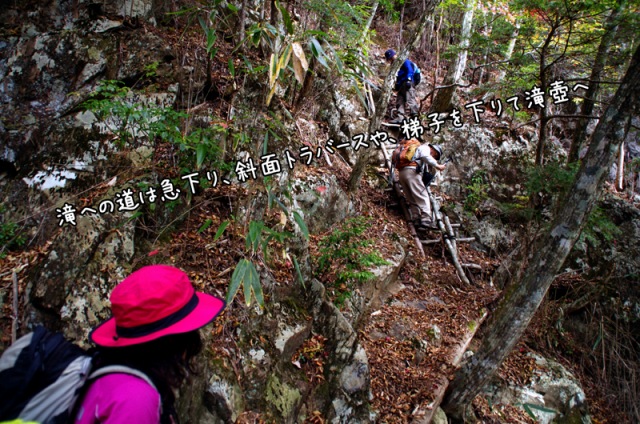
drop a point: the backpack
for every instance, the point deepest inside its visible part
(416, 74)
(404, 153)
(43, 375)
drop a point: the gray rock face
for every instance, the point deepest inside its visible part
(74, 282)
(55, 59)
(322, 201)
(553, 396)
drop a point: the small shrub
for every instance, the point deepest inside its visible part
(345, 255)
(543, 186)
(10, 237)
(599, 227)
(478, 191)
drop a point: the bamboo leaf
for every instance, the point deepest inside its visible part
(540, 408)
(253, 236)
(318, 52)
(221, 228)
(598, 340)
(272, 71)
(288, 23)
(336, 59)
(232, 68)
(297, 266)
(254, 280)
(236, 280)
(284, 59)
(207, 223)
(529, 411)
(300, 64)
(282, 206)
(266, 141)
(246, 281)
(201, 152)
(255, 36)
(360, 95)
(301, 224)
(211, 39)
(203, 24)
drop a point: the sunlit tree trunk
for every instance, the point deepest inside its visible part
(620, 170)
(522, 297)
(374, 8)
(510, 48)
(442, 101)
(611, 28)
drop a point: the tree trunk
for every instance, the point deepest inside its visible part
(241, 27)
(542, 114)
(383, 100)
(401, 24)
(611, 28)
(488, 29)
(510, 48)
(620, 170)
(307, 83)
(436, 65)
(521, 299)
(442, 102)
(374, 8)
(273, 18)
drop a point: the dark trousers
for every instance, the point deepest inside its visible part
(406, 101)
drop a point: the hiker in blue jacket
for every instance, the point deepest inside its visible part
(406, 97)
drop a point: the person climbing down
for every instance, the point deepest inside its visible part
(411, 158)
(406, 93)
(154, 330)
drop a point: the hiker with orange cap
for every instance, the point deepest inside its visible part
(153, 336)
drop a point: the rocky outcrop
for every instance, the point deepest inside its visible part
(273, 379)
(70, 288)
(553, 395)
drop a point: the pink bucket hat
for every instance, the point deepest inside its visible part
(153, 302)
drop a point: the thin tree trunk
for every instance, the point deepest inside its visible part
(273, 18)
(542, 114)
(442, 101)
(401, 25)
(620, 171)
(486, 50)
(383, 100)
(436, 66)
(510, 48)
(611, 28)
(374, 8)
(307, 83)
(522, 298)
(241, 27)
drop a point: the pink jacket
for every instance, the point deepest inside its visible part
(120, 399)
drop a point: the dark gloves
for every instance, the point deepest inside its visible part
(408, 85)
(396, 87)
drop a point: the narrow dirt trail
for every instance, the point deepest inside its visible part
(413, 340)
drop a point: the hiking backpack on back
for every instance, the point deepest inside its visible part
(404, 153)
(417, 76)
(41, 377)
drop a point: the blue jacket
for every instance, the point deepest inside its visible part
(405, 73)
